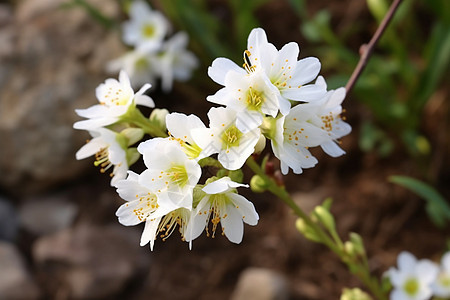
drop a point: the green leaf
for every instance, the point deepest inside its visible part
(437, 207)
(95, 13)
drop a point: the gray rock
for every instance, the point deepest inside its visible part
(260, 284)
(49, 65)
(15, 281)
(47, 215)
(91, 261)
(8, 221)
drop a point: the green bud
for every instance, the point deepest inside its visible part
(269, 127)
(133, 135)
(211, 179)
(378, 8)
(307, 231)
(357, 243)
(158, 117)
(349, 248)
(258, 184)
(122, 141)
(325, 217)
(132, 155)
(354, 294)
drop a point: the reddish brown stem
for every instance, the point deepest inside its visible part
(366, 49)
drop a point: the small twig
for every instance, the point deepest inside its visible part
(366, 49)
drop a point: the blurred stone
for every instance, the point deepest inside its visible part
(91, 261)
(8, 221)
(261, 284)
(47, 215)
(15, 281)
(49, 66)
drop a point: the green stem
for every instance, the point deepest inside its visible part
(135, 117)
(363, 274)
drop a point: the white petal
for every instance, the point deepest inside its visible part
(246, 209)
(144, 100)
(198, 222)
(320, 81)
(232, 225)
(94, 124)
(248, 120)
(220, 67)
(92, 147)
(446, 261)
(305, 93)
(180, 125)
(207, 139)
(222, 185)
(399, 294)
(306, 71)
(406, 262)
(332, 149)
(149, 233)
(95, 111)
(427, 271)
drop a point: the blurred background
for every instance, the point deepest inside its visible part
(59, 237)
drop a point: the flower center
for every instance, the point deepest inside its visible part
(148, 30)
(147, 204)
(216, 212)
(170, 221)
(444, 280)
(231, 137)
(102, 160)
(411, 286)
(178, 175)
(115, 96)
(254, 99)
(191, 150)
(141, 64)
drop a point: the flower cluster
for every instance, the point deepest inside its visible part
(420, 280)
(153, 57)
(273, 96)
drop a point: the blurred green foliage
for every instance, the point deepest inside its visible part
(437, 207)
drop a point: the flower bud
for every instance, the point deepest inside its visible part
(258, 184)
(325, 217)
(357, 243)
(133, 135)
(260, 145)
(307, 231)
(158, 117)
(132, 155)
(354, 294)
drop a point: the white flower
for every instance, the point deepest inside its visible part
(170, 174)
(179, 127)
(309, 125)
(223, 137)
(251, 95)
(175, 61)
(284, 71)
(138, 64)
(109, 153)
(143, 205)
(441, 286)
(412, 279)
(115, 98)
(221, 204)
(270, 79)
(146, 29)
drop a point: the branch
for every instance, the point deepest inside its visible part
(366, 49)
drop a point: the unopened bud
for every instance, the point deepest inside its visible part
(132, 155)
(158, 117)
(357, 243)
(325, 217)
(260, 145)
(258, 184)
(133, 135)
(307, 231)
(354, 294)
